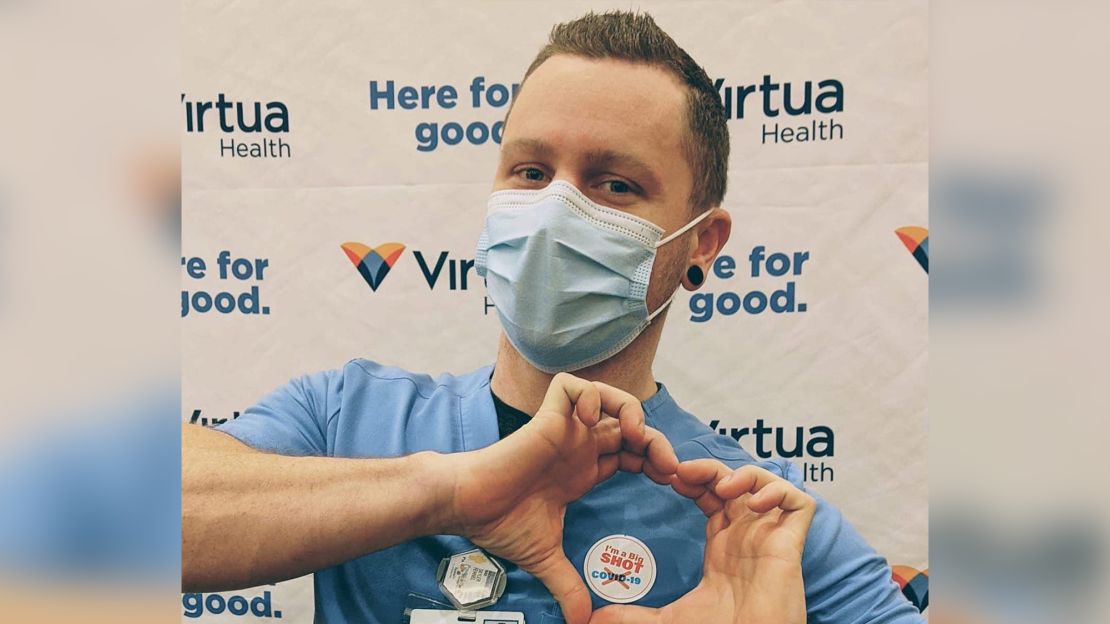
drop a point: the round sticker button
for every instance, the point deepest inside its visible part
(619, 568)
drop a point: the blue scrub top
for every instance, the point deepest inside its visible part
(369, 410)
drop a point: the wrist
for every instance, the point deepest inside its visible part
(438, 476)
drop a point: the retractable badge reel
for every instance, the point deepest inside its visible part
(470, 580)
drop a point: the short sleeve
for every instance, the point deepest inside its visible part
(291, 420)
(846, 581)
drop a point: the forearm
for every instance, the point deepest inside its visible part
(250, 517)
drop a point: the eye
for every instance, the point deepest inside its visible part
(619, 187)
(615, 192)
(532, 174)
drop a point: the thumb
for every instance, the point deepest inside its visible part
(562, 580)
(625, 614)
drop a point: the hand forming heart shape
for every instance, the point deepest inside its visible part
(510, 498)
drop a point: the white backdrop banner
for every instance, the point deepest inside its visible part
(318, 131)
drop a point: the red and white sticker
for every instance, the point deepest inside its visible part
(619, 568)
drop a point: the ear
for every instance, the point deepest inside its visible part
(709, 239)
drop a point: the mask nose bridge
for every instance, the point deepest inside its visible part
(566, 180)
(568, 187)
(605, 217)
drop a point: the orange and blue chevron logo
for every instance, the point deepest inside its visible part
(914, 584)
(373, 263)
(916, 239)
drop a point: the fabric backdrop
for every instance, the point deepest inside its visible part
(357, 124)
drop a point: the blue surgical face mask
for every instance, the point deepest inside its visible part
(569, 277)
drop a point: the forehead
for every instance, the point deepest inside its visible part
(577, 104)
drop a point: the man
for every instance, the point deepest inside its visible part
(606, 199)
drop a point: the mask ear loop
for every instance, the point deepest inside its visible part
(673, 235)
(662, 307)
(682, 230)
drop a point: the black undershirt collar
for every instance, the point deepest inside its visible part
(509, 418)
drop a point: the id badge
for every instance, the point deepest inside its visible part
(471, 580)
(437, 616)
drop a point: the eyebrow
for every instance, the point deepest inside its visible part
(609, 159)
(594, 159)
(534, 147)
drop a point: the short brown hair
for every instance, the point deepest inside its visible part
(636, 37)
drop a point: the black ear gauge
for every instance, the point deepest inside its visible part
(695, 274)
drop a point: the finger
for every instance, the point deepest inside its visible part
(704, 472)
(626, 409)
(696, 479)
(562, 580)
(653, 473)
(567, 394)
(709, 503)
(608, 432)
(748, 479)
(782, 495)
(626, 614)
(685, 489)
(717, 522)
(658, 462)
(660, 453)
(631, 462)
(607, 466)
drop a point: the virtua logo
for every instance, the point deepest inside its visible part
(785, 97)
(375, 263)
(817, 441)
(247, 116)
(916, 240)
(914, 584)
